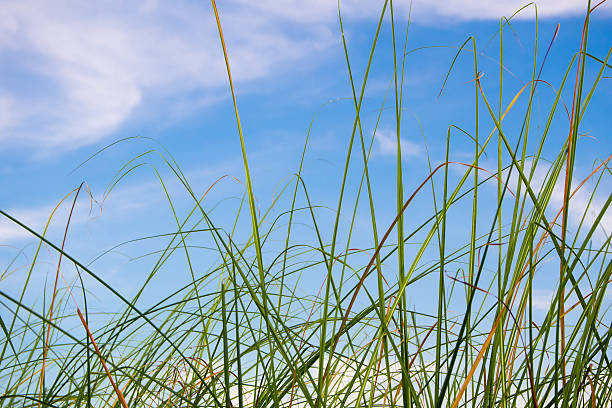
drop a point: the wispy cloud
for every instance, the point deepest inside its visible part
(9, 231)
(387, 145)
(542, 299)
(584, 203)
(425, 10)
(128, 201)
(485, 10)
(74, 72)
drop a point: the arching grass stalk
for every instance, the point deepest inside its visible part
(476, 237)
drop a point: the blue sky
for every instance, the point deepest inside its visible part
(78, 76)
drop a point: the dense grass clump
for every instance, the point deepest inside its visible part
(244, 333)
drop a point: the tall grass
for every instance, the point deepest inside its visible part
(244, 334)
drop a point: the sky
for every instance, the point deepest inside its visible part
(116, 80)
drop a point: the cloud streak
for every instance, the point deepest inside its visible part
(75, 72)
(387, 146)
(78, 72)
(585, 204)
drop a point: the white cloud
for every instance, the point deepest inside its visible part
(6, 110)
(429, 11)
(485, 9)
(9, 231)
(583, 203)
(126, 198)
(81, 69)
(542, 299)
(74, 72)
(37, 217)
(422, 10)
(387, 145)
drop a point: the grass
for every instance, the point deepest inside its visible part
(243, 334)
